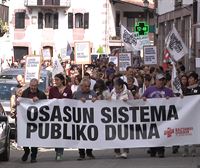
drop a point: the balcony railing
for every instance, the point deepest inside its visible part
(48, 3)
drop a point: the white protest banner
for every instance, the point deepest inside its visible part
(150, 55)
(113, 59)
(82, 52)
(109, 124)
(142, 41)
(175, 45)
(129, 39)
(132, 41)
(124, 61)
(175, 82)
(32, 67)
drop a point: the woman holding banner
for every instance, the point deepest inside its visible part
(60, 91)
(120, 92)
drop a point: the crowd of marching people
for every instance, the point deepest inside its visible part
(101, 80)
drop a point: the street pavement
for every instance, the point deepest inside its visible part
(138, 158)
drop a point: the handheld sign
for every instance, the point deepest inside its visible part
(124, 61)
(82, 52)
(32, 69)
(113, 59)
(150, 55)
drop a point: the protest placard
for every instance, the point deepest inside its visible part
(124, 61)
(82, 52)
(150, 55)
(32, 67)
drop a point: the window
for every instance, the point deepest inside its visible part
(19, 52)
(55, 19)
(48, 20)
(56, 2)
(20, 20)
(78, 20)
(178, 3)
(70, 20)
(86, 20)
(39, 2)
(48, 2)
(40, 20)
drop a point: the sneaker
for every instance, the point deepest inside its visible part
(152, 154)
(175, 150)
(124, 155)
(186, 152)
(90, 156)
(117, 155)
(58, 157)
(193, 152)
(81, 158)
(33, 160)
(161, 155)
(25, 156)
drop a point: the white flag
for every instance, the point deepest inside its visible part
(175, 81)
(57, 67)
(129, 39)
(132, 41)
(175, 45)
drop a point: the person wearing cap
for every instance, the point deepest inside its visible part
(192, 89)
(158, 91)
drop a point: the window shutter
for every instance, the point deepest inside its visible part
(86, 20)
(55, 18)
(70, 20)
(39, 2)
(40, 20)
(20, 20)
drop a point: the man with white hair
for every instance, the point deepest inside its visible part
(84, 93)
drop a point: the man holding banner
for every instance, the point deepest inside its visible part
(83, 94)
(35, 94)
(158, 91)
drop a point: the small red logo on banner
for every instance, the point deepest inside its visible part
(169, 132)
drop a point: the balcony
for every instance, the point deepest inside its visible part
(48, 3)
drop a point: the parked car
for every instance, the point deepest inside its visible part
(45, 76)
(8, 84)
(7, 87)
(4, 136)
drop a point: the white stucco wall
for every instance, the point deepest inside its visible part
(165, 6)
(59, 37)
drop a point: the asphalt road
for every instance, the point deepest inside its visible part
(138, 158)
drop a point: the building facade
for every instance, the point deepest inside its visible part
(5, 44)
(46, 26)
(183, 14)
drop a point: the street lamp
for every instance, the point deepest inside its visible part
(146, 6)
(146, 3)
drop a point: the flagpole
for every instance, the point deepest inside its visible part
(121, 36)
(82, 70)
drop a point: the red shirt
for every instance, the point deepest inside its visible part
(54, 93)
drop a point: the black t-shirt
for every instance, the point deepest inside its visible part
(192, 91)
